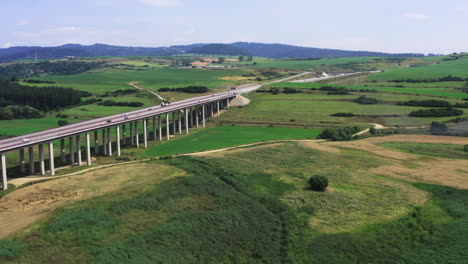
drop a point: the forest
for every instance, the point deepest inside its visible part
(43, 98)
(27, 70)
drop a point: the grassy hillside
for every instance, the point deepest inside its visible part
(236, 208)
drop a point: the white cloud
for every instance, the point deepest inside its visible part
(418, 16)
(68, 29)
(22, 22)
(7, 45)
(166, 3)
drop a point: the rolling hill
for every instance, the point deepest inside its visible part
(276, 51)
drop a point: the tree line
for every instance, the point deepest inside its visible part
(43, 98)
(188, 89)
(437, 112)
(427, 103)
(26, 70)
(449, 78)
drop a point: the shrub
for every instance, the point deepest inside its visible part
(372, 130)
(427, 103)
(318, 183)
(9, 249)
(338, 134)
(130, 104)
(343, 114)
(436, 112)
(465, 148)
(364, 100)
(62, 122)
(438, 127)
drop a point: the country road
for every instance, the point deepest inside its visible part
(133, 84)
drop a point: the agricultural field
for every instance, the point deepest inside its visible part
(315, 110)
(456, 68)
(450, 151)
(100, 82)
(437, 92)
(230, 207)
(228, 136)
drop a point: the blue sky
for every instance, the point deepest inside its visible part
(389, 26)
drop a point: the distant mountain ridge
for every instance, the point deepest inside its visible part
(276, 51)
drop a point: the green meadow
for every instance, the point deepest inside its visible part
(100, 82)
(228, 136)
(439, 92)
(252, 206)
(450, 151)
(456, 68)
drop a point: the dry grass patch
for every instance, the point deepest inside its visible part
(26, 206)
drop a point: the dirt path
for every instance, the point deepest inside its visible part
(133, 84)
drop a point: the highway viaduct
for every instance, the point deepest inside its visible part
(185, 114)
(158, 122)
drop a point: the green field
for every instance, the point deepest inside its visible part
(101, 82)
(228, 136)
(252, 207)
(18, 127)
(455, 68)
(313, 110)
(304, 64)
(439, 92)
(433, 150)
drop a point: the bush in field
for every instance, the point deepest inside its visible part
(465, 148)
(318, 183)
(338, 134)
(436, 112)
(343, 114)
(372, 130)
(438, 127)
(9, 249)
(62, 122)
(364, 100)
(427, 103)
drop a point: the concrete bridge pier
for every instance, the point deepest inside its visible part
(167, 126)
(109, 141)
(197, 113)
(132, 139)
(137, 136)
(31, 160)
(41, 159)
(186, 121)
(155, 128)
(145, 133)
(21, 159)
(179, 115)
(160, 128)
(4, 177)
(227, 103)
(78, 149)
(104, 141)
(173, 123)
(62, 151)
(217, 111)
(117, 133)
(124, 134)
(72, 151)
(96, 142)
(203, 116)
(51, 158)
(4, 171)
(88, 150)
